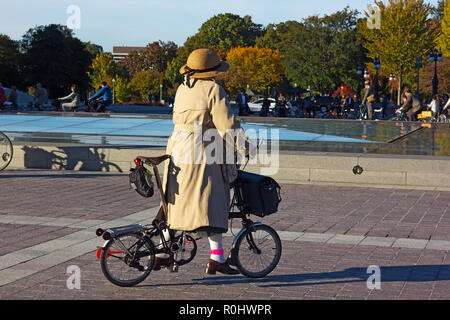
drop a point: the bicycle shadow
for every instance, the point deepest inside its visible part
(67, 158)
(416, 273)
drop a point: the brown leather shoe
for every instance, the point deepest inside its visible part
(213, 266)
(162, 262)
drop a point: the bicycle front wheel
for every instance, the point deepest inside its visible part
(257, 251)
(6, 151)
(128, 259)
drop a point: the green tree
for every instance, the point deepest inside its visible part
(406, 32)
(54, 57)
(94, 49)
(145, 82)
(103, 68)
(321, 52)
(9, 61)
(444, 39)
(172, 74)
(123, 90)
(225, 31)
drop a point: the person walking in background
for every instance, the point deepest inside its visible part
(150, 98)
(243, 104)
(3, 98)
(446, 108)
(13, 98)
(40, 96)
(74, 96)
(384, 105)
(434, 106)
(105, 95)
(265, 107)
(368, 100)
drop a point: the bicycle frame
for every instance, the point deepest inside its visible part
(157, 227)
(247, 223)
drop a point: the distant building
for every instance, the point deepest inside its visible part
(121, 52)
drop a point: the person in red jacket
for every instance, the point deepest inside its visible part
(3, 97)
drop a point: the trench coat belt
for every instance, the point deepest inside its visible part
(190, 127)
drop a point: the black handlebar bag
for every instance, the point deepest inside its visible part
(261, 194)
(141, 181)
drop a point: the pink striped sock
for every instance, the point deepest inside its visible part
(217, 252)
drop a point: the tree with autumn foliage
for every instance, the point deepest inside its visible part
(156, 56)
(406, 32)
(103, 68)
(143, 83)
(444, 39)
(253, 66)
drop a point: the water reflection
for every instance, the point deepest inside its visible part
(433, 141)
(370, 131)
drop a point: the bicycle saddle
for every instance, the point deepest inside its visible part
(154, 160)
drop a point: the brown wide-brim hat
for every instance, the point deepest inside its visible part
(204, 63)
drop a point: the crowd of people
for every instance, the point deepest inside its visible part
(10, 100)
(345, 106)
(337, 106)
(40, 98)
(300, 106)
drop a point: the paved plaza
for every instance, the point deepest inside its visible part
(331, 235)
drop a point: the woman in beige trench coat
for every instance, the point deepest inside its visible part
(196, 188)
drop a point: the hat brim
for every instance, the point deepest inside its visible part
(224, 67)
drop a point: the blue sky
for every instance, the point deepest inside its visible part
(139, 22)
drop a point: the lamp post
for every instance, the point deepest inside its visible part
(359, 72)
(418, 66)
(376, 66)
(435, 56)
(392, 79)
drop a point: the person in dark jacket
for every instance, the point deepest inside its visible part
(369, 100)
(411, 107)
(265, 107)
(105, 97)
(13, 98)
(243, 104)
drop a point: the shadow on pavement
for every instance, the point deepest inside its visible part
(67, 158)
(61, 175)
(390, 274)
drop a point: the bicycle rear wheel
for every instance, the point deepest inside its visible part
(257, 251)
(128, 259)
(6, 151)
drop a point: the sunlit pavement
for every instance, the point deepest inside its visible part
(331, 236)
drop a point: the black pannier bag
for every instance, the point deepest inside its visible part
(141, 181)
(260, 194)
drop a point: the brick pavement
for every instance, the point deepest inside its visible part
(353, 221)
